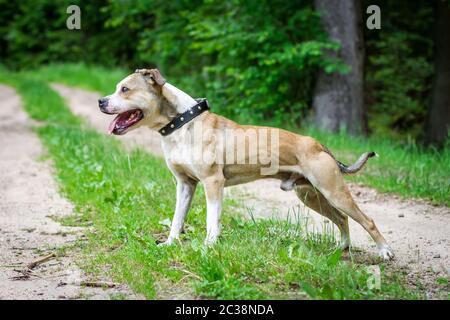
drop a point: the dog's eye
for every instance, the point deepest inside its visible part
(125, 89)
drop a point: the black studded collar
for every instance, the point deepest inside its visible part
(185, 117)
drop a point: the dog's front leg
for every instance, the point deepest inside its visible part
(185, 193)
(214, 194)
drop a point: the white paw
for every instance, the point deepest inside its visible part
(212, 235)
(386, 253)
(210, 240)
(166, 243)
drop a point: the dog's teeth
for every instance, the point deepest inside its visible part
(132, 116)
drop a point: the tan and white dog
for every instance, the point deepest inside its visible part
(144, 98)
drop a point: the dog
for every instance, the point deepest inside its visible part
(144, 98)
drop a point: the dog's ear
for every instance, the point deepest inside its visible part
(153, 76)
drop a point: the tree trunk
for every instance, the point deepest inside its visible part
(438, 122)
(339, 98)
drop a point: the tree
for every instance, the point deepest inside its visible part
(339, 98)
(438, 122)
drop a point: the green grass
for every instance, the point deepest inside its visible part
(128, 198)
(80, 75)
(402, 168)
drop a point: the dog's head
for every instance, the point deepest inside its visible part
(136, 101)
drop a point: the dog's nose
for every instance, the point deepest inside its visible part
(102, 103)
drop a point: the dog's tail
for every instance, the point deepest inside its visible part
(354, 167)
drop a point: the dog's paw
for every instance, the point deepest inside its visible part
(386, 253)
(168, 242)
(209, 241)
(212, 236)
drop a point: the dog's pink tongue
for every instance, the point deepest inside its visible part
(112, 125)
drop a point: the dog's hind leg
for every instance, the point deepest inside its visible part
(316, 201)
(324, 174)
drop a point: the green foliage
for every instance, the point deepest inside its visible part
(254, 60)
(400, 68)
(34, 32)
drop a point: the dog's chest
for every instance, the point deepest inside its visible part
(180, 153)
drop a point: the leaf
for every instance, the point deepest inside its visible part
(310, 290)
(334, 258)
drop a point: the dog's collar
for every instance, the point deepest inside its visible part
(185, 117)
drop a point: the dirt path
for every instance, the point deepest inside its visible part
(418, 232)
(28, 198)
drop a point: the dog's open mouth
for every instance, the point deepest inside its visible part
(125, 120)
